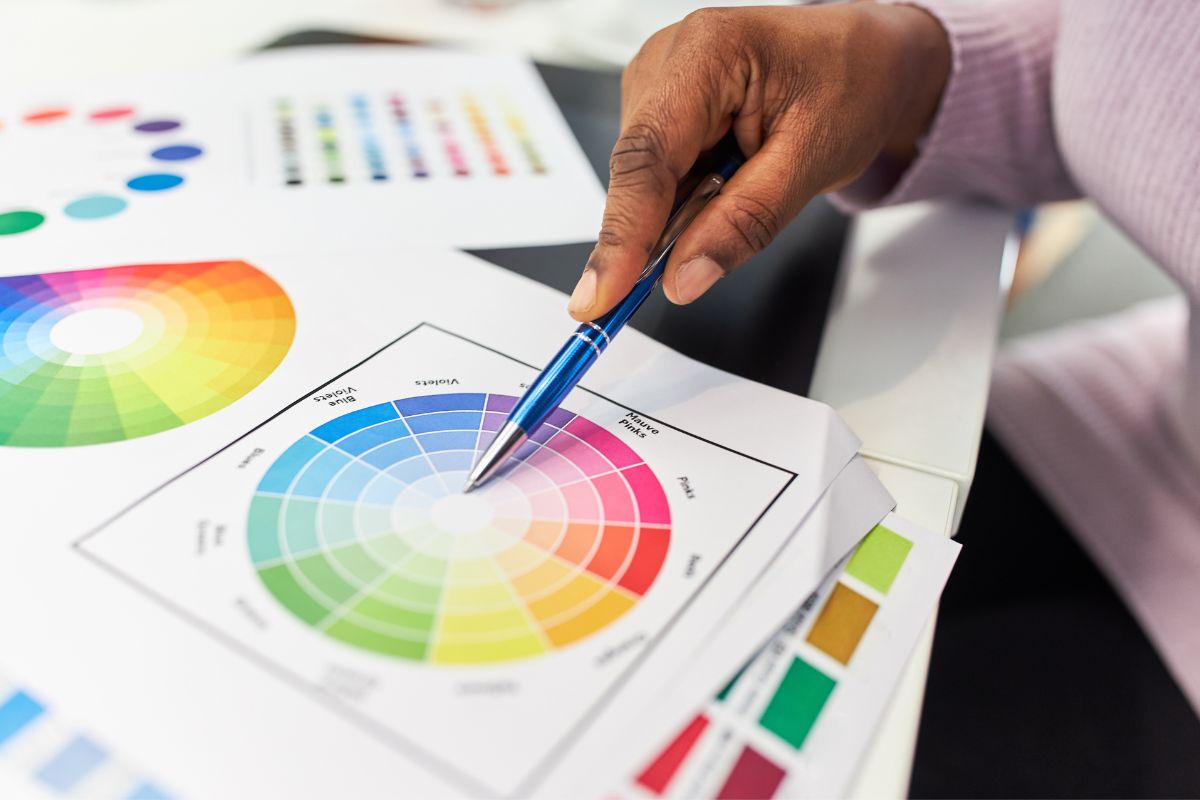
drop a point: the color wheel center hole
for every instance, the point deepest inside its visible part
(461, 513)
(96, 330)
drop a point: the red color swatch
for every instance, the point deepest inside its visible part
(754, 777)
(660, 772)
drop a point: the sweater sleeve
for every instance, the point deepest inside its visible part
(993, 133)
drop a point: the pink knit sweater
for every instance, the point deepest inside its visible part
(1050, 99)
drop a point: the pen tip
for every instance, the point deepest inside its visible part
(468, 486)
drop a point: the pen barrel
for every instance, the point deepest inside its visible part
(575, 357)
(590, 339)
(557, 380)
(610, 324)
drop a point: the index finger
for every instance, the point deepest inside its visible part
(658, 145)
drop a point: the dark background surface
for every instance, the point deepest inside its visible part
(1041, 683)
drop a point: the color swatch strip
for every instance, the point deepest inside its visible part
(432, 137)
(516, 124)
(408, 136)
(59, 759)
(361, 530)
(483, 132)
(788, 707)
(372, 152)
(285, 120)
(327, 141)
(450, 144)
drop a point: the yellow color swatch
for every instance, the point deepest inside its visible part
(842, 623)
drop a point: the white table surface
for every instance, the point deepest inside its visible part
(909, 341)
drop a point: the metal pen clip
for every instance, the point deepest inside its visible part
(679, 221)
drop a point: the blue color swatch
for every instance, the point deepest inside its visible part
(18, 711)
(72, 764)
(154, 182)
(95, 206)
(176, 152)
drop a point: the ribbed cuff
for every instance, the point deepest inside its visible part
(992, 134)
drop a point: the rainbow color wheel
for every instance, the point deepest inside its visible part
(361, 530)
(103, 355)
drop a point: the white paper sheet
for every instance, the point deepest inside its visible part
(385, 146)
(166, 608)
(729, 623)
(795, 720)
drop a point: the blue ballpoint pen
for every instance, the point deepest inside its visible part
(592, 338)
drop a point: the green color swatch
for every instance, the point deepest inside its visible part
(878, 559)
(797, 703)
(19, 221)
(724, 693)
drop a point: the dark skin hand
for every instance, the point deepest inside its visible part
(813, 95)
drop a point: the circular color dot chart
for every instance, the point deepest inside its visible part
(361, 530)
(103, 355)
(159, 174)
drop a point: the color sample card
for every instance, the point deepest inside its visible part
(69, 165)
(432, 143)
(357, 147)
(475, 630)
(402, 135)
(309, 558)
(103, 355)
(43, 755)
(796, 719)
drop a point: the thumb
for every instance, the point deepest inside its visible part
(757, 202)
(646, 166)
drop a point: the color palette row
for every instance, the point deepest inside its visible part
(103, 355)
(46, 115)
(99, 205)
(395, 137)
(360, 529)
(795, 703)
(59, 759)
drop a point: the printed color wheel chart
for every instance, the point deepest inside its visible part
(103, 355)
(361, 530)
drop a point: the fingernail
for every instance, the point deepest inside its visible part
(584, 296)
(695, 276)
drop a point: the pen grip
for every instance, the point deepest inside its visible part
(609, 325)
(593, 338)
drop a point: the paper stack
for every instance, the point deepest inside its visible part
(244, 374)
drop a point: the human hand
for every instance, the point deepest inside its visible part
(813, 96)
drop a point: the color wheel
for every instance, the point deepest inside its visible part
(103, 355)
(360, 529)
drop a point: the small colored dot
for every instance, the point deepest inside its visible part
(154, 182)
(46, 115)
(95, 206)
(176, 152)
(114, 112)
(19, 221)
(157, 125)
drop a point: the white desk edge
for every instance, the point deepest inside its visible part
(937, 274)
